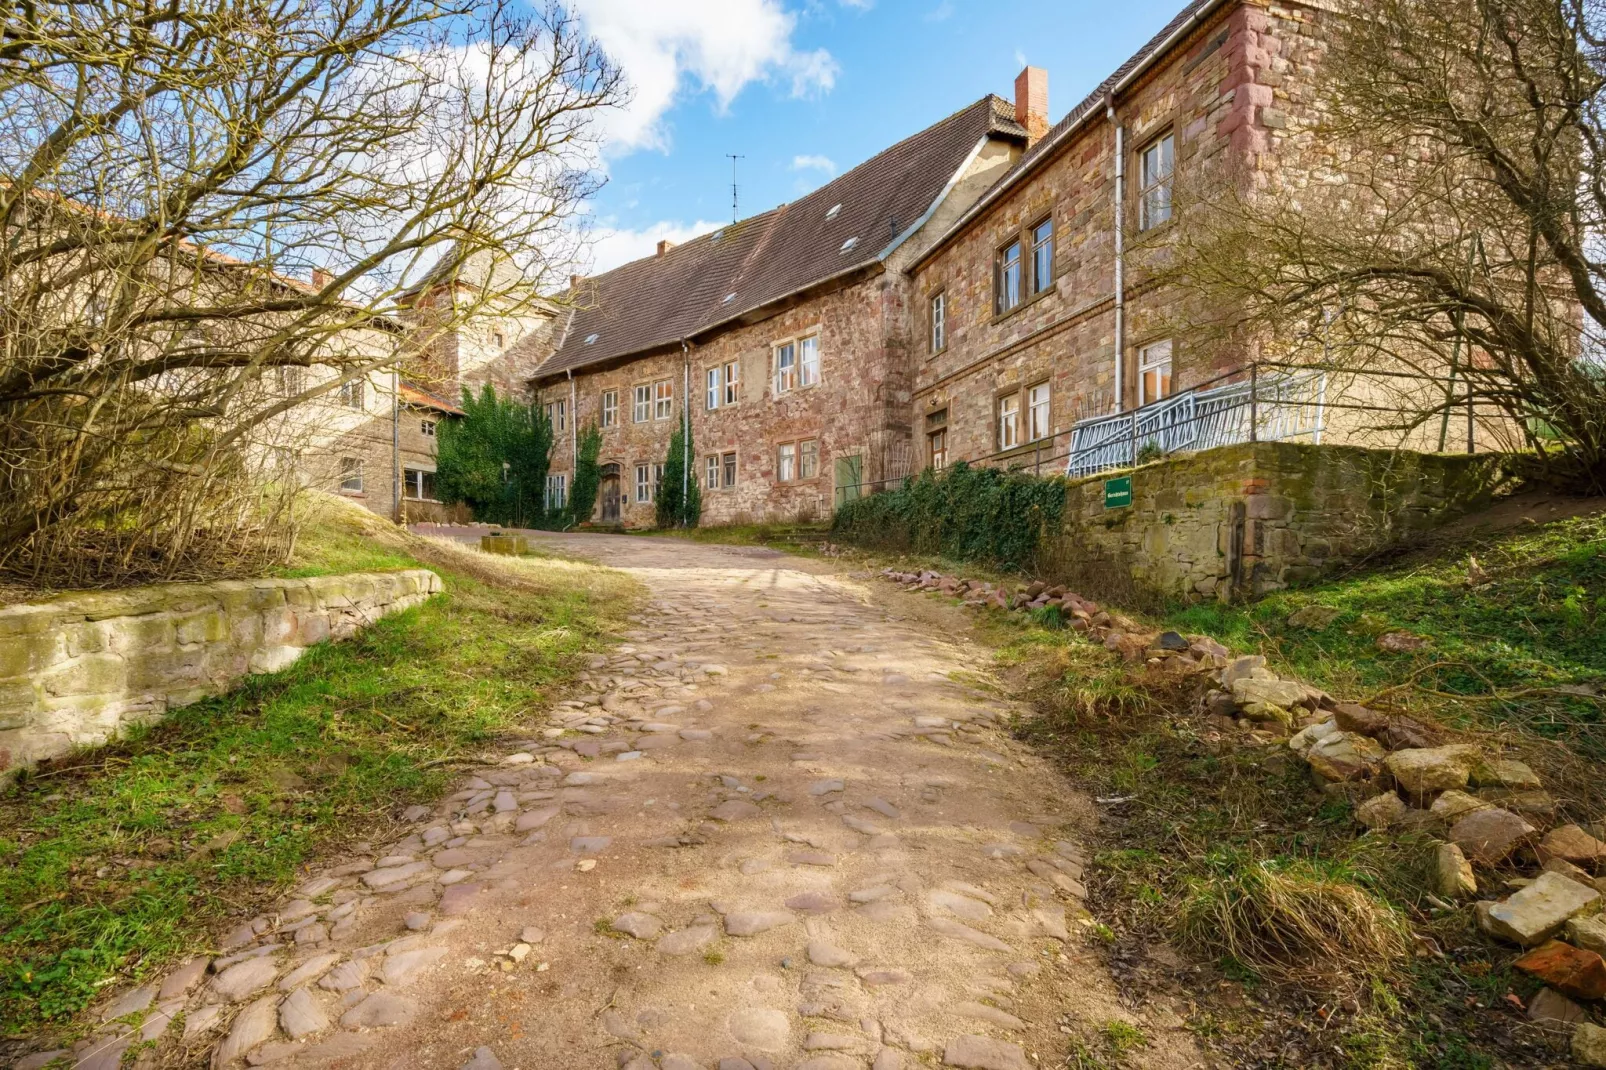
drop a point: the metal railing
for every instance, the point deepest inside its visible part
(1258, 408)
(1265, 401)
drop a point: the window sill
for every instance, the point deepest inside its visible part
(1025, 303)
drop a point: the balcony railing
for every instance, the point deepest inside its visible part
(1260, 408)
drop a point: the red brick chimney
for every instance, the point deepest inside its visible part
(321, 278)
(664, 246)
(1031, 102)
(575, 281)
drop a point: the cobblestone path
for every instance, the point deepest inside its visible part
(781, 829)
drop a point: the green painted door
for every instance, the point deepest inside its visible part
(849, 479)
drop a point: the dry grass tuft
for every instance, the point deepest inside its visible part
(1291, 919)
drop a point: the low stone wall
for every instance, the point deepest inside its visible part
(77, 670)
(1245, 520)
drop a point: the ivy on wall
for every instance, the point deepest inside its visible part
(962, 513)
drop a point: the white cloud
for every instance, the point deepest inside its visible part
(862, 5)
(814, 163)
(612, 246)
(1020, 58)
(941, 13)
(717, 46)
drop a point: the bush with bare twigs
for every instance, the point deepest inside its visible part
(206, 198)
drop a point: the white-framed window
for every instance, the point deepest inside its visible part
(712, 393)
(711, 471)
(610, 408)
(351, 394)
(292, 379)
(643, 483)
(557, 414)
(1006, 278)
(657, 479)
(733, 381)
(426, 428)
(808, 360)
(1037, 412)
(1154, 371)
(1009, 421)
(557, 490)
(350, 475)
(939, 322)
(785, 367)
(1043, 255)
(1156, 164)
(418, 484)
(641, 411)
(786, 462)
(663, 399)
(499, 340)
(937, 448)
(728, 463)
(808, 459)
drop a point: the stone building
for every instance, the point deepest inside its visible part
(1043, 320)
(970, 293)
(788, 333)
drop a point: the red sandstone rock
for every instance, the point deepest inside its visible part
(1567, 969)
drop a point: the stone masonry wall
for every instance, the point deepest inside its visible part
(859, 407)
(1065, 335)
(1246, 520)
(77, 670)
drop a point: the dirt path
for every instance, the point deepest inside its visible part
(783, 830)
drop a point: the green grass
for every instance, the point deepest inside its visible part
(1498, 650)
(114, 862)
(1230, 851)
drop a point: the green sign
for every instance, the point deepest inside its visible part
(1118, 492)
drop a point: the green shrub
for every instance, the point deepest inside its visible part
(967, 514)
(674, 509)
(495, 459)
(587, 475)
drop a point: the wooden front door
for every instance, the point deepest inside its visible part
(610, 494)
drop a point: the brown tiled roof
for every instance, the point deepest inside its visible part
(1092, 104)
(420, 398)
(657, 301)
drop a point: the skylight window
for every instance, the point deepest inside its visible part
(592, 338)
(718, 234)
(728, 299)
(835, 208)
(849, 244)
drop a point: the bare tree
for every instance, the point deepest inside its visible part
(1437, 211)
(199, 192)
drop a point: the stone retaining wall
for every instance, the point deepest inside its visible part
(76, 670)
(1248, 519)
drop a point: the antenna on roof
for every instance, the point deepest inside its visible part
(733, 158)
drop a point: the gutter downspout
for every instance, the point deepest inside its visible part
(1120, 253)
(685, 428)
(395, 446)
(574, 439)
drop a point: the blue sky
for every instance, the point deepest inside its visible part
(805, 89)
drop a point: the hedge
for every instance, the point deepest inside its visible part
(980, 515)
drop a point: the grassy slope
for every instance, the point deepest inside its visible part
(1498, 652)
(115, 861)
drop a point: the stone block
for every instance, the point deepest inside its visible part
(1567, 969)
(1489, 836)
(1538, 912)
(91, 674)
(1423, 771)
(202, 626)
